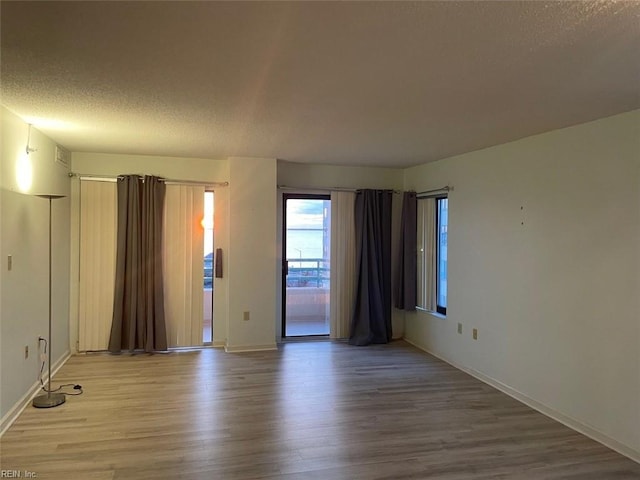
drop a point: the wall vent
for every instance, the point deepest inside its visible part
(63, 157)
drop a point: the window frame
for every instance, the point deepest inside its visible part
(428, 243)
(441, 309)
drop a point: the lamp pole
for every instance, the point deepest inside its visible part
(49, 399)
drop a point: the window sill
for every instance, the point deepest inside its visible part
(431, 312)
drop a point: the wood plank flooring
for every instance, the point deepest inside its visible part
(317, 410)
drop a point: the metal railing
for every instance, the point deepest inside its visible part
(308, 272)
(303, 272)
(208, 272)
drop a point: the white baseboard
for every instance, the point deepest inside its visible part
(218, 344)
(567, 421)
(249, 348)
(12, 415)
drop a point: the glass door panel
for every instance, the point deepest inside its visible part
(307, 220)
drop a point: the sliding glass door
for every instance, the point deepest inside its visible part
(306, 247)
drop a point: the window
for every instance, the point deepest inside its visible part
(207, 224)
(442, 221)
(432, 227)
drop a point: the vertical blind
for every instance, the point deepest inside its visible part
(183, 252)
(343, 262)
(184, 264)
(426, 288)
(98, 202)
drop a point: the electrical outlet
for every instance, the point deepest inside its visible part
(475, 333)
(246, 316)
(26, 351)
(459, 328)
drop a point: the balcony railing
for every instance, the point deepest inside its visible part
(303, 272)
(308, 272)
(208, 271)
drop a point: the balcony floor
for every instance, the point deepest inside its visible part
(306, 327)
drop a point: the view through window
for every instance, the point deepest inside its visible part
(207, 223)
(307, 242)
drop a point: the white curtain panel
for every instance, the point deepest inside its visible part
(343, 262)
(184, 264)
(98, 225)
(427, 253)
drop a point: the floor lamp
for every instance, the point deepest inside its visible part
(49, 399)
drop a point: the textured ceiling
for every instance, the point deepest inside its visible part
(342, 83)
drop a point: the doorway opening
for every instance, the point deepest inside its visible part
(306, 272)
(208, 225)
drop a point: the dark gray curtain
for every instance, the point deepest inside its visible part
(138, 307)
(371, 321)
(406, 283)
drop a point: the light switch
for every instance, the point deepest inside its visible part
(9, 262)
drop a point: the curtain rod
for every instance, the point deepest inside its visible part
(427, 193)
(114, 178)
(331, 189)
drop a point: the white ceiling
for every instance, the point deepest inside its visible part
(363, 83)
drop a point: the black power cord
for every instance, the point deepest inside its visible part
(76, 387)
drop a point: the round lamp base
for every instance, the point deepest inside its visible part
(49, 400)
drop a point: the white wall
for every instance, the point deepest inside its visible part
(326, 176)
(544, 260)
(252, 254)
(24, 293)
(194, 169)
(304, 178)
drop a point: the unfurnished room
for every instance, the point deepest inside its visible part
(320, 240)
